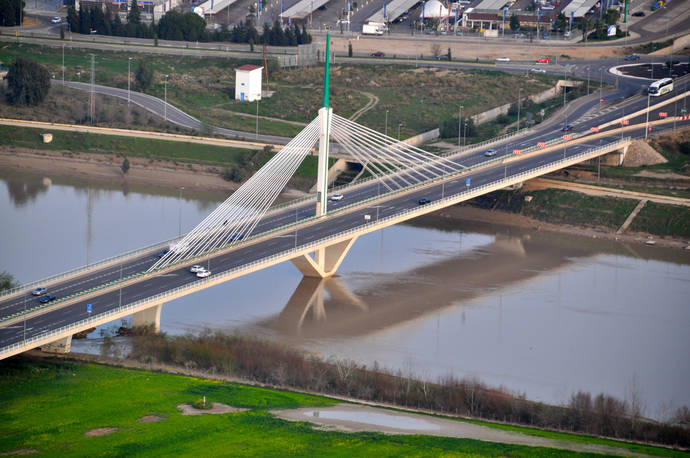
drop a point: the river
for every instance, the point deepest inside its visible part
(538, 313)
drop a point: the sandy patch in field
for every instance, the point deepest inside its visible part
(216, 409)
(669, 175)
(97, 432)
(22, 451)
(357, 418)
(150, 419)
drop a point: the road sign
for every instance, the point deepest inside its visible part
(467, 182)
(517, 151)
(683, 110)
(541, 144)
(89, 309)
(594, 129)
(567, 137)
(601, 100)
(625, 122)
(650, 127)
(663, 114)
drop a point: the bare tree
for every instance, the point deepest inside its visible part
(637, 404)
(436, 49)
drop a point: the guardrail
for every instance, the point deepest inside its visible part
(287, 254)
(33, 284)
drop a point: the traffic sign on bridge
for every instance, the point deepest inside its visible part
(567, 137)
(625, 122)
(517, 151)
(594, 129)
(541, 144)
(663, 114)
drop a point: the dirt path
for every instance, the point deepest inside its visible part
(373, 101)
(355, 418)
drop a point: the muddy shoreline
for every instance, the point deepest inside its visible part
(173, 175)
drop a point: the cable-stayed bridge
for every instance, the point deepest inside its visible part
(247, 233)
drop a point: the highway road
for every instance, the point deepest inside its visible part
(581, 118)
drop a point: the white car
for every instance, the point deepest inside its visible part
(196, 268)
(337, 197)
(503, 59)
(537, 70)
(56, 20)
(490, 153)
(203, 273)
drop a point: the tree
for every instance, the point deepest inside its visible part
(561, 22)
(28, 82)
(143, 76)
(7, 13)
(514, 23)
(584, 25)
(6, 281)
(349, 50)
(134, 14)
(612, 16)
(125, 166)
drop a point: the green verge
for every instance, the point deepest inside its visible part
(660, 219)
(49, 406)
(29, 137)
(562, 206)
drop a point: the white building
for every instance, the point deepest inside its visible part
(248, 83)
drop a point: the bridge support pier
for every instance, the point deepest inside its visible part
(325, 261)
(150, 317)
(61, 346)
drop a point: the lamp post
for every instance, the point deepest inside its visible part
(257, 119)
(399, 125)
(519, 102)
(386, 131)
(459, 124)
(63, 65)
(165, 98)
(129, 71)
(646, 125)
(464, 135)
(179, 213)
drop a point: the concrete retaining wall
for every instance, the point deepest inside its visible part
(494, 113)
(424, 137)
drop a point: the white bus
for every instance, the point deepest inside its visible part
(661, 87)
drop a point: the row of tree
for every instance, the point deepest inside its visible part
(11, 12)
(178, 26)
(586, 24)
(271, 363)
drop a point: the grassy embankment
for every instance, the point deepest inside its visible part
(560, 206)
(76, 142)
(419, 99)
(49, 406)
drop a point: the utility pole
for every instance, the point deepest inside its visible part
(646, 125)
(92, 100)
(386, 131)
(459, 124)
(257, 119)
(165, 98)
(519, 93)
(129, 70)
(63, 65)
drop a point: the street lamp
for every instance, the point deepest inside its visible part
(257, 119)
(129, 70)
(386, 132)
(519, 102)
(63, 65)
(399, 125)
(165, 98)
(179, 213)
(464, 135)
(459, 124)
(646, 125)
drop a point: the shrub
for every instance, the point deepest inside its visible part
(28, 82)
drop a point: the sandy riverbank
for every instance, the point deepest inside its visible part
(171, 174)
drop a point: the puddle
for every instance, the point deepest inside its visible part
(378, 419)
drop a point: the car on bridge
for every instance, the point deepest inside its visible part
(47, 298)
(543, 60)
(424, 201)
(537, 70)
(203, 273)
(632, 57)
(162, 253)
(196, 268)
(503, 59)
(567, 128)
(336, 197)
(39, 291)
(56, 20)
(638, 14)
(378, 54)
(490, 153)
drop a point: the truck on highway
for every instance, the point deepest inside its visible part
(373, 28)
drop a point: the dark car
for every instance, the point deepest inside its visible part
(47, 298)
(162, 253)
(424, 201)
(567, 128)
(378, 54)
(632, 57)
(442, 57)
(638, 14)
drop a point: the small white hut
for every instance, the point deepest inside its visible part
(248, 83)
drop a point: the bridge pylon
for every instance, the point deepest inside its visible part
(325, 124)
(325, 260)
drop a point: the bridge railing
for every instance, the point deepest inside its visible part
(113, 259)
(287, 254)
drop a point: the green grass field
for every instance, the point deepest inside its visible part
(49, 406)
(417, 99)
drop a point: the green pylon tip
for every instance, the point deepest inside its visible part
(325, 74)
